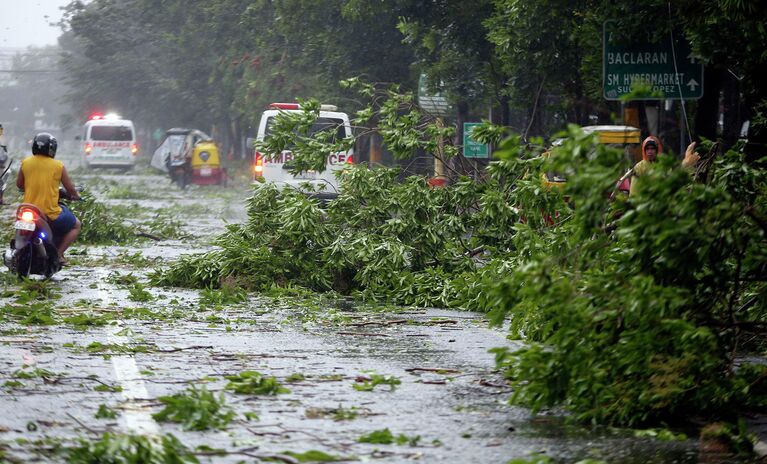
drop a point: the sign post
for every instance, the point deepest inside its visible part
(436, 104)
(433, 102)
(472, 148)
(667, 71)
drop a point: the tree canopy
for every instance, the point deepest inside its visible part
(215, 64)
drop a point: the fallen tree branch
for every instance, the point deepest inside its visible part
(83, 425)
(437, 370)
(384, 323)
(196, 347)
(362, 334)
(149, 236)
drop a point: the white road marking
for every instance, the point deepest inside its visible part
(136, 417)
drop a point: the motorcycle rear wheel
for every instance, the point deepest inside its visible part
(23, 259)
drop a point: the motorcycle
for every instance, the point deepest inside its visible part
(189, 156)
(33, 250)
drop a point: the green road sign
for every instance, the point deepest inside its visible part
(434, 103)
(649, 68)
(472, 148)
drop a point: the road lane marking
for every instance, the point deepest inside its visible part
(136, 417)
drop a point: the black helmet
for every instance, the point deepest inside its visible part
(44, 144)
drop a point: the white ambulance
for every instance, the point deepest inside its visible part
(276, 169)
(109, 141)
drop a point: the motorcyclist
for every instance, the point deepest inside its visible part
(39, 177)
(651, 149)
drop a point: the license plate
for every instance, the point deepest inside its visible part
(206, 172)
(24, 225)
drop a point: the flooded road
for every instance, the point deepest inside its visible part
(115, 343)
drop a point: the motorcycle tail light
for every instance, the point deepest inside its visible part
(27, 215)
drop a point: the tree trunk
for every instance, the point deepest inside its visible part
(462, 114)
(707, 113)
(757, 136)
(731, 109)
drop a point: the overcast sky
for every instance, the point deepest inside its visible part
(24, 22)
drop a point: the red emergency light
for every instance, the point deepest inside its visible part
(96, 117)
(285, 106)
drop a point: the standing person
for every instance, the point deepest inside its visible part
(40, 177)
(651, 149)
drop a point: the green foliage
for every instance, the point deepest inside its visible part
(26, 373)
(131, 449)
(295, 377)
(342, 414)
(222, 297)
(99, 225)
(314, 456)
(11, 384)
(122, 279)
(84, 321)
(165, 226)
(369, 383)
(195, 409)
(409, 244)
(197, 271)
(105, 412)
(535, 459)
(125, 192)
(37, 313)
(254, 383)
(635, 320)
(135, 259)
(540, 59)
(108, 388)
(385, 437)
(98, 347)
(138, 293)
(661, 434)
(31, 291)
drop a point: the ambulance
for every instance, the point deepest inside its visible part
(276, 169)
(109, 142)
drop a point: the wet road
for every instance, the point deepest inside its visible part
(123, 344)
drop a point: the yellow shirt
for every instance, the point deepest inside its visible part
(42, 177)
(640, 169)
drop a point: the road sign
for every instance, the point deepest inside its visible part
(472, 148)
(627, 66)
(434, 103)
